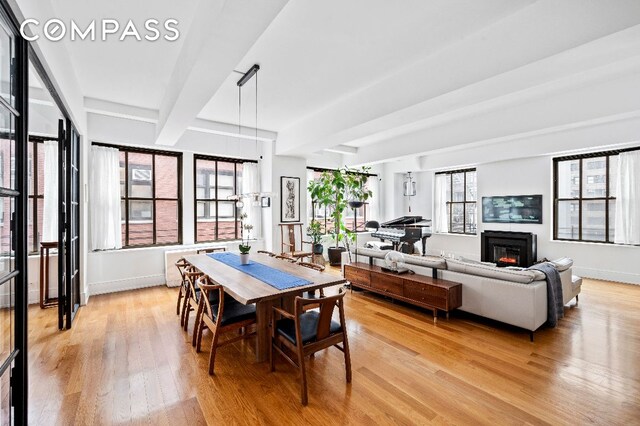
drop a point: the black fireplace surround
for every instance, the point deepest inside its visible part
(509, 248)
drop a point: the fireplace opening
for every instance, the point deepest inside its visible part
(509, 248)
(506, 255)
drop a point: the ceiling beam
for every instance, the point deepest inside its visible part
(219, 37)
(342, 149)
(402, 103)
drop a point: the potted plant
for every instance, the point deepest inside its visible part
(357, 191)
(244, 246)
(314, 230)
(333, 189)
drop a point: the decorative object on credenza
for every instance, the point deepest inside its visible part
(395, 263)
(333, 189)
(265, 202)
(512, 209)
(409, 188)
(290, 199)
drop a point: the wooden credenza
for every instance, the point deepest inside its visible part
(420, 290)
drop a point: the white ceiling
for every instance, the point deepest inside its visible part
(128, 72)
(375, 78)
(315, 53)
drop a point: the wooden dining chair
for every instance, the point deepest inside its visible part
(225, 316)
(312, 294)
(284, 257)
(193, 294)
(182, 265)
(210, 250)
(292, 241)
(307, 332)
(314, 266)
(268, 253)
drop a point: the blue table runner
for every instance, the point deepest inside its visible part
(274, 277)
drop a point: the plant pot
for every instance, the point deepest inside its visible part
(335, 255)
(244, 258)
(318, 248)
(356, 204)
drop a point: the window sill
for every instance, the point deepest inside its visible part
(175, 247)
(594, 243)
(454, 234)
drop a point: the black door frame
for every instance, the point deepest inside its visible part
(24, 53)
(19, 371)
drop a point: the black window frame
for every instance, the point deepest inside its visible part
(125, 197)
(215, 199)
(450, 203)
(609, 239)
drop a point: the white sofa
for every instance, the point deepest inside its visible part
(514, 297)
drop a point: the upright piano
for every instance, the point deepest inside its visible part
(405, 229)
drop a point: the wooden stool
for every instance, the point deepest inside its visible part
(45, 301)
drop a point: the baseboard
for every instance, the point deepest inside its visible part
(602, 274)
(126, 284)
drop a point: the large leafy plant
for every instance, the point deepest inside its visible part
(334, 189)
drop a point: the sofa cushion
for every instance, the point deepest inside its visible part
(434, 262)
(379, 254)
(524, 277)
(576, 282)
(562, 264)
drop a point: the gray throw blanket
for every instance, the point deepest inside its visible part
(555, 307)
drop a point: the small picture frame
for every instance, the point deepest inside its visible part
(265, 202)
(290, 199)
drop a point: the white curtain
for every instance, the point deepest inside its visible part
(628, 199)
(440, 220)
(374, 201)
(50, 210)
(251, 185)
(105, 198)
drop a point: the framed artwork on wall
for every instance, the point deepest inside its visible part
(265, 202)
(290, 199)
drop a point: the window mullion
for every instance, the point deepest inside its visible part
(217, 222)
(153, 196)
(126, 196)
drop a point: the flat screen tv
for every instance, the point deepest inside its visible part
(512, 209)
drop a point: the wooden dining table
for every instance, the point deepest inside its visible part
(248, 290)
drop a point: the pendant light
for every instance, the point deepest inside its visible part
(409, 189)
(255, 197)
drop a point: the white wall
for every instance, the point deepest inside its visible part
(526, 176)
(119, 270)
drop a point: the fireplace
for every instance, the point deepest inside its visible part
(509, 248)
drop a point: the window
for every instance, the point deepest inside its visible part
(584, 197)
(461, 197)
(324, 214)
(151, 196)
(217, 216)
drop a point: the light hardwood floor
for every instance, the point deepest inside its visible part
(127, 361)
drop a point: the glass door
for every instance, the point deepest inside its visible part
(13, 219)
(62, 229)
(68, 224)
(72, 223)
